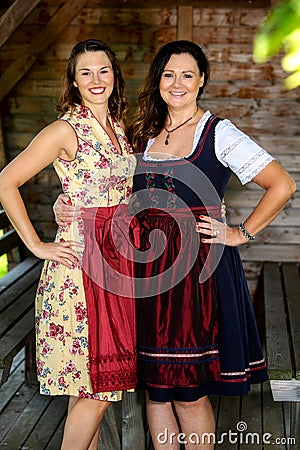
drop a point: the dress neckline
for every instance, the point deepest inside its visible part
(199, 128)
(112, 122)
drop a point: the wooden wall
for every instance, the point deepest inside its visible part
(250, 95)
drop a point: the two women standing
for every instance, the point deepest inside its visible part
(196, 329)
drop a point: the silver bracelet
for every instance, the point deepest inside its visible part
(245, 232)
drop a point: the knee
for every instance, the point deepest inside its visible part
(102, 406)
(96, 408)
(158, 405)
(202, 403)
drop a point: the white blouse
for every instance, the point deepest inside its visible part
(233, 148)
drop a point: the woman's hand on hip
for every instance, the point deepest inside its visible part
(65, 213)
(219, 233)
(62, 252)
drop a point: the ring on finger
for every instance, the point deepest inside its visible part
(214, 233)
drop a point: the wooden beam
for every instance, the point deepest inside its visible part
(40, 43)
(15, 15)
(185, 23)
(2, 149)
(236, 4)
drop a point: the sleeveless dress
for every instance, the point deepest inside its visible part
(98, 180)
(197, 332)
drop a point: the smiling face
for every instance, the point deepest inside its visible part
(94, 78)
(180, 81)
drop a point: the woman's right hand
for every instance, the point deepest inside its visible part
(64, 211)
(62, 252)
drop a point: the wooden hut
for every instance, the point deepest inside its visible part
(36, 37)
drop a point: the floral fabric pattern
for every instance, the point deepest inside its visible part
(99, 176)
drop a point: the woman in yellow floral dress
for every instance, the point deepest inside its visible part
(85, 347)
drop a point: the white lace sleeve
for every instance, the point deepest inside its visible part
(236, 150)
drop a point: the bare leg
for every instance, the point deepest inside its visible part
(196, 418)
(82, 424)
(163, 425)
(95, 441)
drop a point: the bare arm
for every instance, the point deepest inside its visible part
(279, 186)
(42, 151)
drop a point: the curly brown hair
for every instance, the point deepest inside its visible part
(152, 110)
(70, 96)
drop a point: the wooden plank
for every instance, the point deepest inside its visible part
(185, 23)
(287, 217)
(47, 426)
(15, 15)
(4, 220)
(9, 241)
(226, 35)
(22, 426)
(123, 426)
(295, 421)
(131, 34)
(227, 17)
(274, 235)
(109, 434)
(227, 420)
(234, 183)
(251, 108)
(133, 420)
(250, 425)
(47, 36)
(19, 287)
(43, 105)
(56, 439)
(49, 87)
(234, 198)
(285, 390)
(3, 158)
(270, 252)
(291, 278)
(277, 341)
(273, 422)
(16, 310)
(200, 3)
(13, 341)
(251, 125)
(125, 15)
(30, 360)
(19, 401)
(18, 272)
(12, 386)
(270, 143)
(38, 88)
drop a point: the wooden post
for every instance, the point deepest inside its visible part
(185, 23)
(2, 149)
(133, 420)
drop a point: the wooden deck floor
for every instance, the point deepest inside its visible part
(30, 421)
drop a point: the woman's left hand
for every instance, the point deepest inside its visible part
(219, 232)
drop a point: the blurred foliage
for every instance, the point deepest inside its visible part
(281, 31)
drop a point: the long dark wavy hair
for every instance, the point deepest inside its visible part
(152, 110)
(70, 96)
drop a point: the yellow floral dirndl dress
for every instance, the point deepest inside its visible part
(99, 176)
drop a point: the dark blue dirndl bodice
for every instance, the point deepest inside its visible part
(197, 332)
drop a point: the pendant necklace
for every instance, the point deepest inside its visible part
(181, 125)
